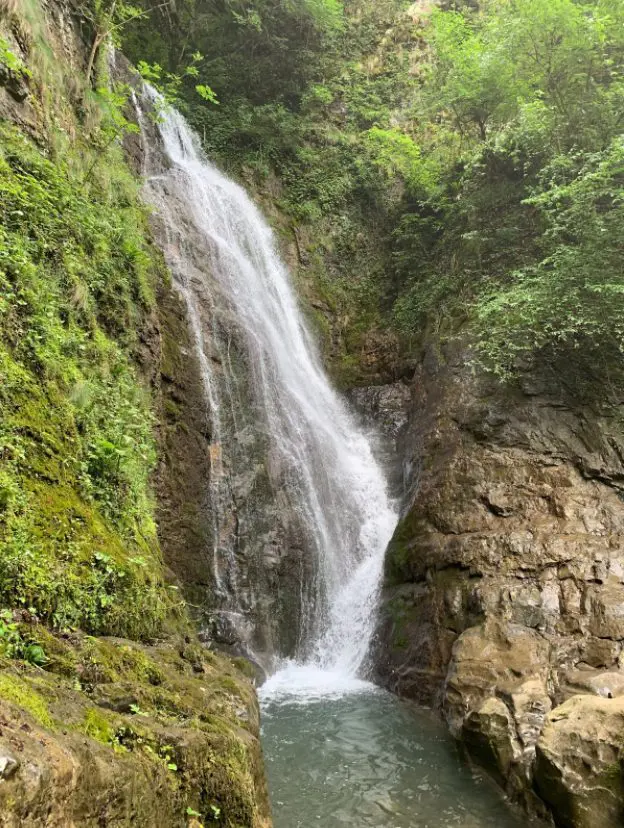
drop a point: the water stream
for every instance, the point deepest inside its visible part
(318, 460)
(339, 751)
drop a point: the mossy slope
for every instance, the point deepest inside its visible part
(121, 733)
(98, 730)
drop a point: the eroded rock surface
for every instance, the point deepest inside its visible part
(384, 410)
(119, 733)
(504, 590)
(580, 759)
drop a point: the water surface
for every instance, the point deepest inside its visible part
(365, 759)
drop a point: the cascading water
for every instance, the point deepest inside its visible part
(286, 453)
(323, 461)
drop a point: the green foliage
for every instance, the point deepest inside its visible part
(263, 50)
(108, 17)
(206, 93)
(417, 152)
(15, 644)
(77, 534)
(110, 102)
(170, 84)
(10, 62)
(470, 84)
(574, 296)
(520, 108)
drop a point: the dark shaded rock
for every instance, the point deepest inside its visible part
(384, 411)
(15, 84)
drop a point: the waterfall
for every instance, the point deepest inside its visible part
(245, 320)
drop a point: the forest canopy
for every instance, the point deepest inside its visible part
(479, 145)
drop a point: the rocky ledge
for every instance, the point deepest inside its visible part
(504, 588)
(113, 732)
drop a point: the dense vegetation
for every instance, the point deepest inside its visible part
(124, 729)
(449, 171)
(520, 116)
(455, 168)
(78, 544)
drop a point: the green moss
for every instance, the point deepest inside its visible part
(96, 726)
(141, 666)
(245, 667)
(184, 732)
(60, 655)
(399, 552)
(22, 694)
(77, 529)
(79, 555)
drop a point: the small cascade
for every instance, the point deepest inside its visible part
(300, 570)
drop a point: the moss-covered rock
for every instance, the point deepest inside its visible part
(118, 733)
(96, 730)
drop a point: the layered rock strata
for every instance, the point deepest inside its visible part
(504, 587)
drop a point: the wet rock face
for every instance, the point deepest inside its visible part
(504, 588)
(230, 529)
(384, 409)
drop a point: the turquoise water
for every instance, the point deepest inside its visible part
(367, 759)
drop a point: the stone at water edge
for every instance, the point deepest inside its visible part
(579, 769)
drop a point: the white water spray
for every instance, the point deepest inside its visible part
(324, 460)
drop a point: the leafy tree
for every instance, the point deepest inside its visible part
(574, 296)
(519, 244)
(107, 18)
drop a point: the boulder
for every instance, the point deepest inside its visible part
(493, 659)
(579, 769)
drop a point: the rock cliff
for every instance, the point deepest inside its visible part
(504, 584)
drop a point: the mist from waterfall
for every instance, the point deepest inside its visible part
(323, 459)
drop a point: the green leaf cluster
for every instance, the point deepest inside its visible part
(14, 643)
(10, 62)
(456, 168)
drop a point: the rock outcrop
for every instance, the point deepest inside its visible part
(504, 588)
(579, 765)
(118, 733)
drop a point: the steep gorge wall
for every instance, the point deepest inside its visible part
(504, 585)
(150, 728)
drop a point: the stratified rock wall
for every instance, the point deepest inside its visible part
(504, 589)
